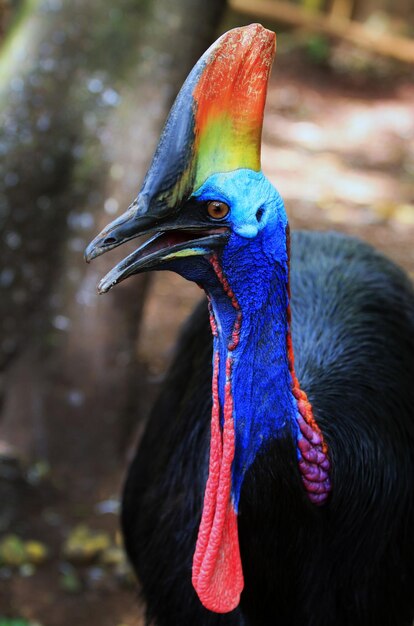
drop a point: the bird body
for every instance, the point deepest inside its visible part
(349, 563)
(274, 483)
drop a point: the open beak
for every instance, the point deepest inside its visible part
(215, 125)
(172, 238)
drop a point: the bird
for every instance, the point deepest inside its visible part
(274, 483)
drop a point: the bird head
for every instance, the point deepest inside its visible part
(204, 192)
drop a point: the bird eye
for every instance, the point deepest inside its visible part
(217, 210)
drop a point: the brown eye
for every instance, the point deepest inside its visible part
(217, 210)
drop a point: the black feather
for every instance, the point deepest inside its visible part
(349, 563)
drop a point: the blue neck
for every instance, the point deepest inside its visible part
(261, 384)
(256, 393)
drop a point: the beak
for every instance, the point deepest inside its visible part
(214, 126)
(174, 237)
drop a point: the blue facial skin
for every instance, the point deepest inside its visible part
(255, 263)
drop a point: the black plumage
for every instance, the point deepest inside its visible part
(347, 563)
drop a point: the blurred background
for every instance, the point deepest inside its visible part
(84, 90)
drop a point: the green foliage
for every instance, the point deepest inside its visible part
(17, 621)
(18, 11)
(70, 582)
(15, 552)
(84, 544)
(312, 5)
(12, 551)
(318, 48)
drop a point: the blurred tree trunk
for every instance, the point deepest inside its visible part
(84, 90)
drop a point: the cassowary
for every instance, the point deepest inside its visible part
(274, 483)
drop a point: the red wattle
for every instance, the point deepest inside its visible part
(217, 572)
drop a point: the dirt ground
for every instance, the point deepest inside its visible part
(342, 156)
